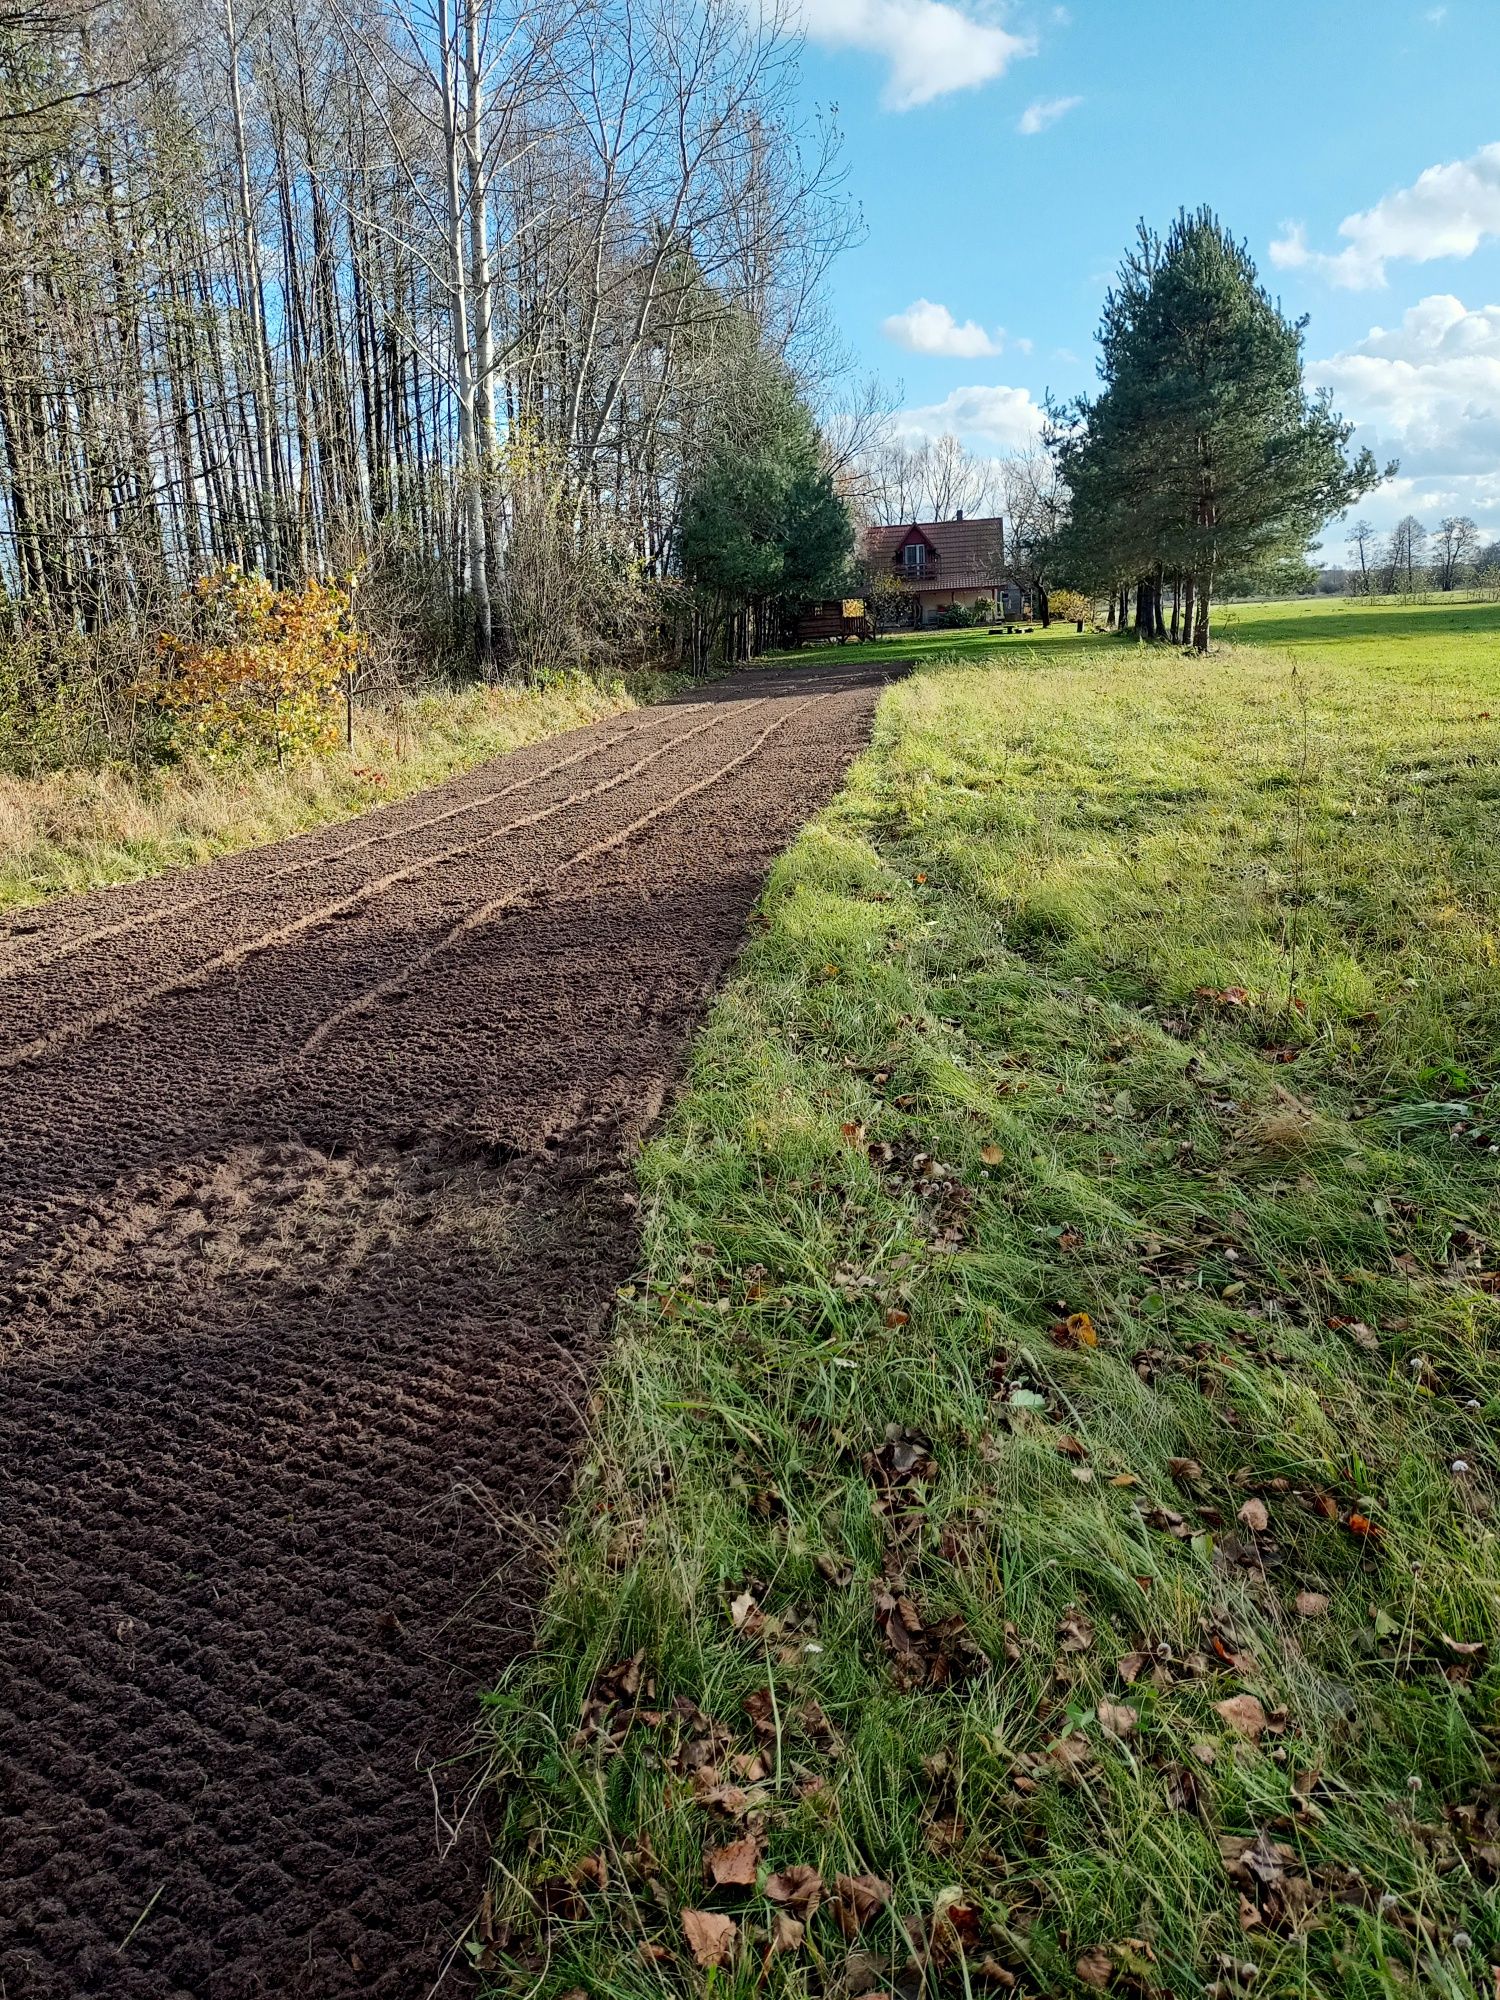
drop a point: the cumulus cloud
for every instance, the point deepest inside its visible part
(1448, 211)
(928, 328)
(1045, 111)
(1426, 389)
(931, 47)
(983, 416)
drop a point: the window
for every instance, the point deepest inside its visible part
(916, 555)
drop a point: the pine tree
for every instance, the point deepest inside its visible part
(1203, 455)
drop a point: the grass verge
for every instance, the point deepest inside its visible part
(1039, 1533)
(82, 829)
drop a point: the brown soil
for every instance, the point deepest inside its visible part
(314, 1193)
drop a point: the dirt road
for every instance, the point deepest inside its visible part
(313, 1196)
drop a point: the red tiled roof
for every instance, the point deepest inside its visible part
(969, 554)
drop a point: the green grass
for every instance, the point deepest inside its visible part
(66, 830)
(1159, 991)
(1371, 631)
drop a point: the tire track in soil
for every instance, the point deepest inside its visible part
(114, 1012)
(293, 1352)
(29, 935)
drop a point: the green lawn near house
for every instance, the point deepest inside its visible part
(1355, 628)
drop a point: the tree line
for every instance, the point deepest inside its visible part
(444, 296)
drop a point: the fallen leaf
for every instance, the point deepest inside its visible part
(743, 1609)
(1095, 1967)
(1115, 1718)
(1075, 1632)
(711, 1938)
(1244, 1715)
(1206, 1753)
(1082, 1329)
(1311, 1603)
(1254, 1516)
(787, 1934)
(1184, 1468)
(1069, 1446)
(799, 1886)
(991, 1155)
(860, 1897)
(1129, 1666)
(734, 1866)
(1465, 1648)
(1361, 1524)
(895, 1317)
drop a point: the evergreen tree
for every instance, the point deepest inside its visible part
(1203, 455)
(763, 530)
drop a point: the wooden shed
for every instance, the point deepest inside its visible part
(840, 618)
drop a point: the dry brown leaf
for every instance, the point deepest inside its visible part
(786, 1933)
(860, 1897)
(1075, 1631)
(1128, 1666)
(743, 1608)
(1254, 1516)
(1311, 1603)
(1095, 1967)
(1184, 1468)
(1244, 1715)
(733, 1867)
(799, 1886)
(1464, 1648)
(710, 1938)
(1115, 1718)
(991, 1155)
(1082, 1329)
(1206, 1753)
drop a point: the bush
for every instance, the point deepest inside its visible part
(957, 617)
(1069, 605)
(261, 676)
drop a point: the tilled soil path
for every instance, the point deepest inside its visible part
(313, 1196)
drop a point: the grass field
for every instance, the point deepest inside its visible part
(63, 831)
(1040, 1536)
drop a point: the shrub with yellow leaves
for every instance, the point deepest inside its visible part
(259, 677)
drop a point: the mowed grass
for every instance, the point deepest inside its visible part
(1044, 1484)
(63, 831)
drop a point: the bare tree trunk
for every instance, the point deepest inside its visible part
(471, 493)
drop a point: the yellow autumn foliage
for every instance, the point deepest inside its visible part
(260, 676)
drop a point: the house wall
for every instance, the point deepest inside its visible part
(1007, 599)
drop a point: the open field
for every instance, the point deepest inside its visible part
(1039, 1532)
(66, 831)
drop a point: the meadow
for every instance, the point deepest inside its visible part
(1039, 1533)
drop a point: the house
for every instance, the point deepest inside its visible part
(934, 564)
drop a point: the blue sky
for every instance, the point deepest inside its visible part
(1002, 155)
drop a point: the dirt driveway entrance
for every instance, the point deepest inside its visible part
(314, 1192)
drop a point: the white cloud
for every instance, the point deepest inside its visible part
(1043, 112)
(1448, 211)
(1427, 389)
(931, 46)
(981, 416)
(928, 328)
